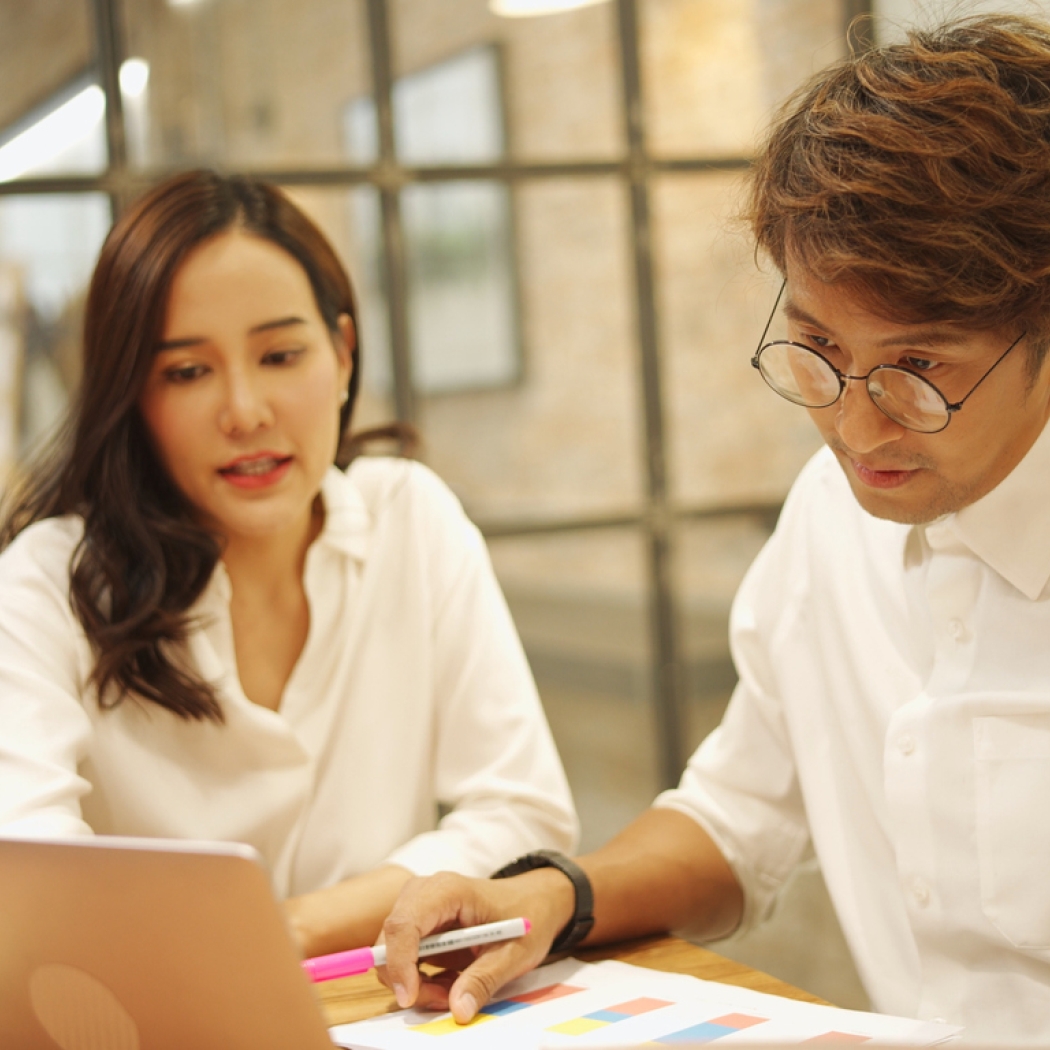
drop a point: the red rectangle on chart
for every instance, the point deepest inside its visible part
(639, 1006)
(542, 995)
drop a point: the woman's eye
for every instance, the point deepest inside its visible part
(282, 357)
(184, 373)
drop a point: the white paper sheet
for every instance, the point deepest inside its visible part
(613, 1004)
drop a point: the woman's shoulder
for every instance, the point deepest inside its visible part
(404, 498)
(383, 481)
(41, 554)
(47, 542)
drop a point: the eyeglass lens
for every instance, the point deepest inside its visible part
(801, 375)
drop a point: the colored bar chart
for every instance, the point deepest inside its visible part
(501, 1008)
(709, 1031)
(570, 1005)
(601, 1018)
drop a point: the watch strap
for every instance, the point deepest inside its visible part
(583, 914)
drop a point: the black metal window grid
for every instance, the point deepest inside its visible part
(636, 170)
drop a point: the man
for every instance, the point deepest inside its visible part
(893, 637)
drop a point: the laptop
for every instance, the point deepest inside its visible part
(114, 943)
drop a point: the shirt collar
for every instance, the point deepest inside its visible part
(347, 528)
(347, 520)
(1009, 528)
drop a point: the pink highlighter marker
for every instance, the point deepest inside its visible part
(359, 960)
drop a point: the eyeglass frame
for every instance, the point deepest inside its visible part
(951, 407)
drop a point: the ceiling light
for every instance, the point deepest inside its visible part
(529, 8)
(49, 136)
(134, 76)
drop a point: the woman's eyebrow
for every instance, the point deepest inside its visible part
(280, 322)
(196, 340)
(177, 344)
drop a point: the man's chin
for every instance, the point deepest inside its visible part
(903, 504)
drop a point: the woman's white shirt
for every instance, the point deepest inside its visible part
(411, 692)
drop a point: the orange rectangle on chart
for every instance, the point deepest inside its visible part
(543, 995)
(638, 1006)
(738, 1021)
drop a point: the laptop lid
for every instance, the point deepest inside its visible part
(147, 944)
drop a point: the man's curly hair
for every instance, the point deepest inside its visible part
(918, 175)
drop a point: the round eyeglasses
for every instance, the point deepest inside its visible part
(805, 377)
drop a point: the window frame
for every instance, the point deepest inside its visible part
(659, 516)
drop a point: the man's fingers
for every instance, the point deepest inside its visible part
(480, 981)
(424, 906)
(446, 900)
(432, 996)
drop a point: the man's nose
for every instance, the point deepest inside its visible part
(859, 422)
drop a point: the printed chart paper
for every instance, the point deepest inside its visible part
(570, 1004)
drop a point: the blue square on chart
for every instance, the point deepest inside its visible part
(698, 1033)
(608, 1016)
(504, 1006)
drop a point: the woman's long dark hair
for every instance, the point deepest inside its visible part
(143, 561)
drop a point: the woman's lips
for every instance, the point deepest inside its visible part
(881, 479)
(255, 472)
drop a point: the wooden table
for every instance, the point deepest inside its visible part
(355, 998)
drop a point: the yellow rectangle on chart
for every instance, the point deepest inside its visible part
(578, 1026)
(447, 1025)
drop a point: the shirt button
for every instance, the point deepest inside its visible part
(920, 892)
(956, 630)
(906, 744)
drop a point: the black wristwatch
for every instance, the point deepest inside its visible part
(583, 916)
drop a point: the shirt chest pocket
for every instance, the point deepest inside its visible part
(1012, 787)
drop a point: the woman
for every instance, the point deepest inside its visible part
(209, 631)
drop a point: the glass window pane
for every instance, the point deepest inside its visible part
(731, 438)
(711, 558)
(893, 18)
(565, 439)
(244, 82)
(712, 71)
(579, 601)
(448, 113)
(51, 107)
(349, 221)
(560, 76)
(63, 136)
(44, 45)
(463, 321)
(364, 249)
(48, 247)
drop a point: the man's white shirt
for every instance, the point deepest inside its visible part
(893, 715)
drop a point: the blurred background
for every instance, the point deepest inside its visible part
(536, 200)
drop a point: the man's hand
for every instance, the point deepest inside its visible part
(662, 872)
(446, 901)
